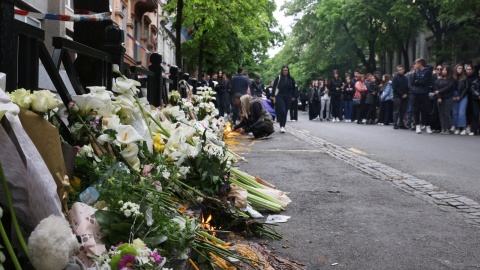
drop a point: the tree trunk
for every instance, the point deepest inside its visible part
(404, 51)
(178, 36)
(372, 63)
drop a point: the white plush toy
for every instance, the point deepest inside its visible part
(51, 244)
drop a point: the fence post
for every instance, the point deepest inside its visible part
(8, 44)
(113, 46)
(155, 97)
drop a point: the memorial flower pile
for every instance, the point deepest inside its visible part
(144, 177)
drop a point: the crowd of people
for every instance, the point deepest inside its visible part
(443, 99)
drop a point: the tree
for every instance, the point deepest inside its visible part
(227, 33)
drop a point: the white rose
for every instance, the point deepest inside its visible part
(44, 100)
(22, 97)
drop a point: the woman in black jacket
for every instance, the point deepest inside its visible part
(254, 118)
(314, 101)
(475, 91)
(460, 100)
(335, 88)
(284, 93)
(372, 93)
(444, 87)
(348, 93)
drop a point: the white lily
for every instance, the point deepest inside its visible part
(130, 154)
(94, 102)
(126, 134)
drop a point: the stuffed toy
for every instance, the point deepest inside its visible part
(51, 244)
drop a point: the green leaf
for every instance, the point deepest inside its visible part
(155, 240)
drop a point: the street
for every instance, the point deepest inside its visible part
(370, 197)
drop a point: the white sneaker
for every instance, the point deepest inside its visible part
(453, 129)
(457, 131)
(294, 120)
(333, 120)
(282, 130)
(464, 132)
(471, 134)
(429, 130)
(418, 129)
(364, 121)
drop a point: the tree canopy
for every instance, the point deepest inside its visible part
(353, 35)
(227, 34)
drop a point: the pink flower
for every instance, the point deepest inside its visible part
(147, 168)
(156, 257)
(126, 262)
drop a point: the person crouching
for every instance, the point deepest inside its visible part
(254, 118)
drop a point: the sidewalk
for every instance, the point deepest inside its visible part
(343, 216)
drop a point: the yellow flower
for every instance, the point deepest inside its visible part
(158, 143)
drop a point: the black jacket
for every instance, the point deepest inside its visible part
(372, 93)
(445, 87)
(475, 89)
(258, 89)
(421, 80)
(461, 86)
(333, 85)
(286, 86)
(399, 85)
(349, 92)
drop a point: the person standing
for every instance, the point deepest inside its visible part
(335, 89)
(348, 93)
(314, 101)
(400, 98)
(410, 121)
(475, 90)
(422, 78)
(284, 93)
(222, 94)
(360, 94)
(269, 90)
(240, 85)
(386, 100)
(324, 101)
(258, 87)
(471, 77)
(370, 100)
(460, 100)
(444, 87)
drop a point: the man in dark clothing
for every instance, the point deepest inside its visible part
(422, 78)
(400, 97)
(294, 106)
(240, 85)
(258, 87)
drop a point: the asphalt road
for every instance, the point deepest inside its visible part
(342, 218)
(451, 162)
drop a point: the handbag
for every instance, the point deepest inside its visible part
(356, 101)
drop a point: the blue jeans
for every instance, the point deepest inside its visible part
(459, 110)
(282, 104)
(348, 109)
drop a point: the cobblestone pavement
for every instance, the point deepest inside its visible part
(428, 192)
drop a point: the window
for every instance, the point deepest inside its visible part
(124, 22)
(136, 35)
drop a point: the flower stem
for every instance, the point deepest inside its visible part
(12, 212)
(9, 247)
(143, 115)
(164, 132)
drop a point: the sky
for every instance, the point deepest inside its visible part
(284, 22)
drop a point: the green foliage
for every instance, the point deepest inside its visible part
(227, 33)
(350, 35)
